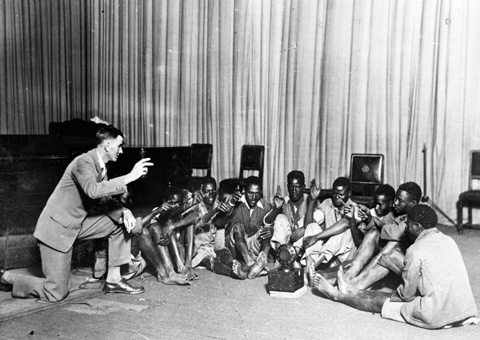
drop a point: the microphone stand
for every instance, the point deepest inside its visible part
(425, 198)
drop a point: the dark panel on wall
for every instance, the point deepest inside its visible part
(30, 168)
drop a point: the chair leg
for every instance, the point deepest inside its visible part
(460, 217)
(469, 216)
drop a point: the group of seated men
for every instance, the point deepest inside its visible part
(388, 258)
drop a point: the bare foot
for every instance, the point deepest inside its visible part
(160, 278)
(176, 279)
(238, 271)
(191, 274)
(342, 282)
(325, 288)
(311, 273)
(257, 267)
(263, 272)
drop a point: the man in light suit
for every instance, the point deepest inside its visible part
(66, 218)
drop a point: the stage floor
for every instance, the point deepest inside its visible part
(216, 307)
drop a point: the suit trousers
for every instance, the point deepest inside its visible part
(56, 265)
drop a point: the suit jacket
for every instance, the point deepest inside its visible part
(81, 184)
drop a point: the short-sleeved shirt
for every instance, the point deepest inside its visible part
(331, 214)
(251, 219)
(395, 231)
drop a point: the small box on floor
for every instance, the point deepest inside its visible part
(288, 281)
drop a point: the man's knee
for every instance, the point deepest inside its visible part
(281, 221)
(372, 235)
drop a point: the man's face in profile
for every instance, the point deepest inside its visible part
(382, 205)
(403, 202)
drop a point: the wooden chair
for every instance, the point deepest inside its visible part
(366, 174)
(200, 160)
(252, 159)
(470, 198)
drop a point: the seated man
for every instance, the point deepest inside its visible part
(148, 233)
(210, 228)
(366, 239)
(435, 292)
(391, 236)
(115, 207)
(328, 236)
(247, 234)
(162, 232)
(289, 224)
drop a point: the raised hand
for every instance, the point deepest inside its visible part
(224, 207)
(140, 168)
(315, 189)
(278, 200)
(348, 210)
(198, 196)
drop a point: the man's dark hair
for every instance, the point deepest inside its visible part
(296, 174)
(342, 182)
(412, 189)
(386, 190)
(107, 132)
(170, 191)
(209, 180)
(424, 215)
(253, 180)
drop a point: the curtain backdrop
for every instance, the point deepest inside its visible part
(313, 81)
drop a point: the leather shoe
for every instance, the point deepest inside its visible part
(4, 287)
(122, 287)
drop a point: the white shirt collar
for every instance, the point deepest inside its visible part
(244, 200)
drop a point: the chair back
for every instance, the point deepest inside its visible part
(252, 159)
(201, 157)
(366, 172)
(474, 182)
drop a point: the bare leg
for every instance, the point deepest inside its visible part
(148, 248)
(238, 270)
(223, 264)
(171, 277)
(368, 301)
(394, 261)
(174, 250)
(189, 251)
(374, 272)
(311, 263)
(257, 267)
(364, 253)
(241, 245)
